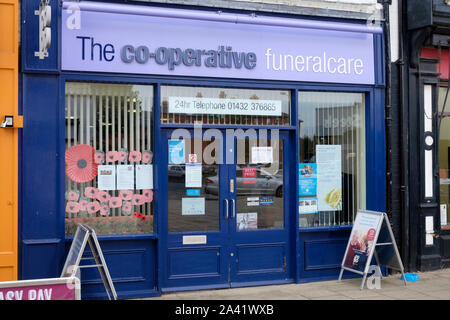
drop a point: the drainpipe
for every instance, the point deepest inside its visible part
(404, 137)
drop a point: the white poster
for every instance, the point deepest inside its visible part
(106, 177)
(262, 155)
(144, 176)
(125, 177)
(329, 178)
(192, 206)
(193, 175)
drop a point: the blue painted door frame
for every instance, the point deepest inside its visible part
(228, 258)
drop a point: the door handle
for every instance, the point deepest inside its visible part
(234, 209)
(226, 206)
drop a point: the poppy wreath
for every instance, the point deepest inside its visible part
(80, 165)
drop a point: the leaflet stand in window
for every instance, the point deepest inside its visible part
(84, 235)
(384, 249)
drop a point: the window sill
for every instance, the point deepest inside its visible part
(326, 228)
(131, 236)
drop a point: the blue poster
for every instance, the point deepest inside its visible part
(265, 201)
(176, 151)
(307, 179)
(193, 192)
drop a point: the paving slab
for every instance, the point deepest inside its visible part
(433, 285)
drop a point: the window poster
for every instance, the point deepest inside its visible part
(192, 206)
(307, 179)
(125, 177)
(307, 205)
(144, 176)
(176, 151)
(106, 177)
(193, 175)
(247, 221)
(329, 178)
(262, 155)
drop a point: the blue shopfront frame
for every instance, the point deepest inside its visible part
(42, 243)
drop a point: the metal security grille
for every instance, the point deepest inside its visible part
(335, 118)
(225, 93)
(108, 117)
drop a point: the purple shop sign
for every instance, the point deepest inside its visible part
(136, 40)
(41, 289)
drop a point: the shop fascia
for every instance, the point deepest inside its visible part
(223, 57)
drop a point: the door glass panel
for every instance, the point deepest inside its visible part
(259, 184)
(193, 185)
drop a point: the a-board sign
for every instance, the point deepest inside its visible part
(371, 236)
(86, 235)
(41, 289)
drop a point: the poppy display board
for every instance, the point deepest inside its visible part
(371, 236)
(86, 235)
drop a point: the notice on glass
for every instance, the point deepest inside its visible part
(176, 151)
(307, 179)
(125, 177)
(144, 176)
(329, 178)
(192, 206)
(193, 175)
(106, 177)
(262, 155)
(443, 214)
(247, 221)
(307, 205)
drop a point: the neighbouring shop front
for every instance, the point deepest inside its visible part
(207, 149)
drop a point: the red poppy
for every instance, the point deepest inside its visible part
(135, 215)
(103, 196)
(126, 195)
(91, 192)
(138, 199)
(104, 209)
(121, 155)
(111, 156)
(126, 208)
(80, 166)
(93, 207)
(99, 157)
(72, 207)
(143, 218)
(72, 195)
(115, 202)
(135, 156)
(147, 157)
(83, 204)
(148, 195)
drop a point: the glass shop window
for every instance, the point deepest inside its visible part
(444, 156)
(205, 105)
(332, 170)
(108, 157)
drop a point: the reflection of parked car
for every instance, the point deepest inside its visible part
(176, 171)
(263, 184)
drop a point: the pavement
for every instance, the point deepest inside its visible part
(433, 285)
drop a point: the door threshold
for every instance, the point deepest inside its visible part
(227, 285)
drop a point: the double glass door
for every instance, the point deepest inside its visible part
(226, 207)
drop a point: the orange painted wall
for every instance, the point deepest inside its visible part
(9, 83)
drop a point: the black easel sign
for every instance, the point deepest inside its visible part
(371, 236)
(86, 235)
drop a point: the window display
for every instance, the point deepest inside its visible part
(332, 157)
(108, 158)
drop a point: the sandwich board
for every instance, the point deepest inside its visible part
(371, 236)
(86, 235)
